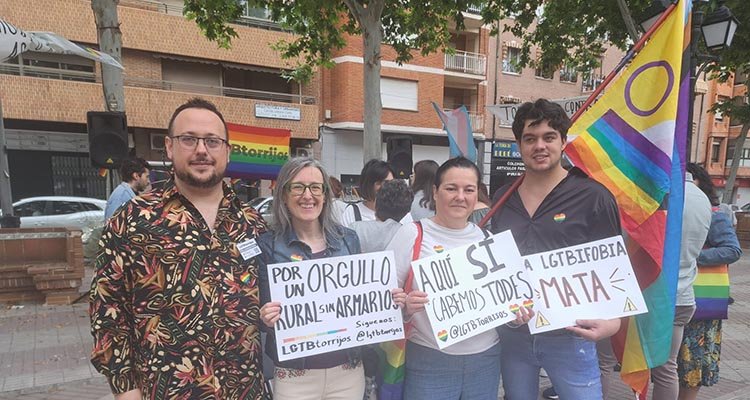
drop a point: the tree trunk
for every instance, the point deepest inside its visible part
(110, 42)
(629, 23)
(738, 146)
(372, 37)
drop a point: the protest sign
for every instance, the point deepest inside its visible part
(334, 303)
(589, 281)
(473, 288)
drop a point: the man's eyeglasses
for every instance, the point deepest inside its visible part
(298, 189)
(191, 142)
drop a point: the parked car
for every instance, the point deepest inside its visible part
(83, 213)
(263, 206)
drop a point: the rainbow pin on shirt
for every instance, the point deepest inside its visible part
(245, 278)
(438, 248)
(559, 217)
(295, 257)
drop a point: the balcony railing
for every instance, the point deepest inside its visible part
(477, 121)
(475, 9)
(466, 62)
(61, 74)
(247, 20)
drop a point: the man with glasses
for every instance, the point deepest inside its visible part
(174, 300)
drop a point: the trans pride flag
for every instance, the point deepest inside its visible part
(458, 126)
(632, 140)
(257, 153)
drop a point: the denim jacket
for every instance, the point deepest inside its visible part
(279, 250)
(721, 245)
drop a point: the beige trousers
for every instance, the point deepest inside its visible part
(337, 383)
(666, 382)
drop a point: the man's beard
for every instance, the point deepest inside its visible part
(193, 181)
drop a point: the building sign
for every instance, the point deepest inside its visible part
(505, 113)
(506, 164)
(277, 112)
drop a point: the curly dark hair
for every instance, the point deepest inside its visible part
(539, 111)
(393, 200)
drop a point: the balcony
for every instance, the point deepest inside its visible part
(475, 9)
(70, 75)
(477, 121)
(466, 62)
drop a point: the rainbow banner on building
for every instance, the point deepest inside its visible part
(257, 153)
(632, 140)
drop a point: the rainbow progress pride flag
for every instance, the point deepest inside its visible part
(632, 140)
(257, 153)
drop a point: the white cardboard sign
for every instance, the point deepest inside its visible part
(334, 303)
(473, 288)
(593, 280)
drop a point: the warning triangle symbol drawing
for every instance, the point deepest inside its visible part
(541, 320)
(629, 306)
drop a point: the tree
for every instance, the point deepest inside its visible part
(735, 60)
(110, 42)
(320, 27)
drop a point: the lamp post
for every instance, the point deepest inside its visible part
(717, 31)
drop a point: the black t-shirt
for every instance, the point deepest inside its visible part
(576, 211)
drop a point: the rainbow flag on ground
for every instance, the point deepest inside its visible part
(632, 140)
(257, 153)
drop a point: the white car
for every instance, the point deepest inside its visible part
(60, 211)
(263, 206)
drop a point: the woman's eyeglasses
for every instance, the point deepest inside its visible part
(298, 189)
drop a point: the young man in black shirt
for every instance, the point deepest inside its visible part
(553, 208)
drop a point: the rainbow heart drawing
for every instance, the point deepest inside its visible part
(528, 304)
(514, 308)
(559, 217)
(443, 335)
(295, 257)
(438, 248)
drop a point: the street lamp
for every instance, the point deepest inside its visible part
(718, 29)
(652, 13)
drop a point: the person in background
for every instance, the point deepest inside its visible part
(696, 220)
(174, 301)
(339, 205)
(421, 186)
(700, 351)
(469, 369)
(373, 174)
(393, 202)
(134, 174)
(483, 204)
(304, 228)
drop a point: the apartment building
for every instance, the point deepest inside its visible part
(715, 135)
(407, 92)
(45, 97)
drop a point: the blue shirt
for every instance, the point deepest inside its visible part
(121, 195)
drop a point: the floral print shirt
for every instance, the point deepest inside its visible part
(174, 305)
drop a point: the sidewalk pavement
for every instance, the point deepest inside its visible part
(44, 351)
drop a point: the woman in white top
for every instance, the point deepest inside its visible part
(469, 369)
(373, 174)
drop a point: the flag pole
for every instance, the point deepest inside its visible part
(631, 53)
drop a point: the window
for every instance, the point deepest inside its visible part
(54, 66)
(715, 151)
(544, 71)
(65, 207)
(569, 74)
(719, 115)
(512, 60)
(593, 77)
(399, 94)
(30, 209)
(90, 207)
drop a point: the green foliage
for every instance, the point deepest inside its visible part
(320, 26)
